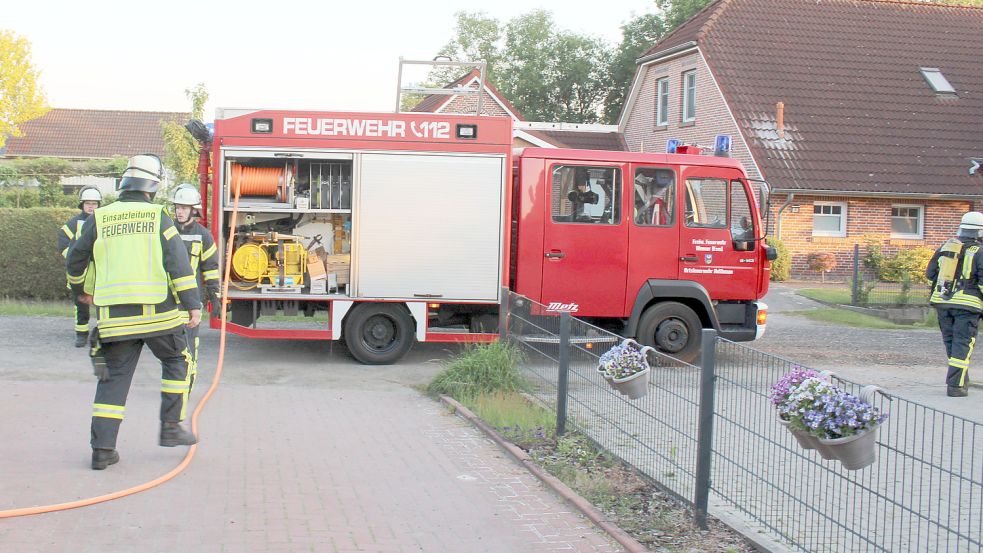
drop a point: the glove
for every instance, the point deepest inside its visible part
(97, 356)
(215, 299)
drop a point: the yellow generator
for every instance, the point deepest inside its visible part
(275, 259)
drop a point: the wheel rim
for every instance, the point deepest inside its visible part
(379, 333)
(672, 335)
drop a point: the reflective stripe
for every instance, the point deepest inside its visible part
(169, 233)
(209, 252)
(191, 237)
(64, 253)
(108, 411)
(126, 328)
(76, 279)
(175, 386)
(185, 283)
(81, 328)
(211, 275)
(67, 231)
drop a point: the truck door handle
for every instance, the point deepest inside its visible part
(555, 254)
(689, 258)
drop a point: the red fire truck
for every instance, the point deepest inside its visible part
(407, 227)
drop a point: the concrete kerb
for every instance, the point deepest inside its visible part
(558, 487)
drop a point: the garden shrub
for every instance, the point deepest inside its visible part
(31, 265)
(781, 267)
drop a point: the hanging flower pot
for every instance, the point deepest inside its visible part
(634, 386)
(854, 452)
(626, 368)
(805, 440)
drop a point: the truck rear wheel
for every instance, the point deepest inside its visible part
(671, 328)
(378, 333)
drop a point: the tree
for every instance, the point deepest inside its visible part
(548, 74)
(676, 12)
(21, 98)
(180, 148)
(637, 36)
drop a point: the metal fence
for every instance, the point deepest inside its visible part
(870, 289)
(709, 435)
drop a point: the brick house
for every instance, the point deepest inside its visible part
(863, 116)
(525, 133)
(85, 134)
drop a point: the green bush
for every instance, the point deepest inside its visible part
(481, 369)
(31, 265)
(874, 259)
(908, 264)
(781, 268)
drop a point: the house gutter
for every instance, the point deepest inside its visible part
(778, 216)
(853, 194)
(665, 53)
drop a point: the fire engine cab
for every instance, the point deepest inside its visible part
(407, 227)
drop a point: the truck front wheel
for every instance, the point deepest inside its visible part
(671, 328)
(378, 333)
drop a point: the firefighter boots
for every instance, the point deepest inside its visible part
(81, 339)
(173, 434)
(958, 391)
(102, 458)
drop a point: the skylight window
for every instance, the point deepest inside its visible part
(937, 80)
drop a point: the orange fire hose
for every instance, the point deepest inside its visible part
(11, 513)
(259, 181)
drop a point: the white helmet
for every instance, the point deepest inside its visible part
(187, 194)
(972, 221)
(89, 194)
(143, 173)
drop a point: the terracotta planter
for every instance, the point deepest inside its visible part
(854, 452)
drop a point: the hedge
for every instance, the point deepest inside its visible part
(31, 265)
(781, 268)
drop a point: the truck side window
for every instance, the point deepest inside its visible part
(655, 197)
(706, 203)
(586, 195)
(741, 222)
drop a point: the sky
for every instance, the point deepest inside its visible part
(285, 54)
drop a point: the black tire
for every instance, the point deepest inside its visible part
(485, 323)
(673, 329)
(378, 333)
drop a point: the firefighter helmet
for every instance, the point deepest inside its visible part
(187, 194)
(89, 194)
(972, 221)
(143, 174)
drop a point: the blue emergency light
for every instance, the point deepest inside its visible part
(721, 145)
(671, 145)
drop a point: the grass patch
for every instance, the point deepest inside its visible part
(482, 369)
(521, 422)
(843, 296)
(861, 320)
(20, 308)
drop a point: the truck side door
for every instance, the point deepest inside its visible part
(585, 240)
(716, 247)
(653, 237)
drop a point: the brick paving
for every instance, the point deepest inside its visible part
(302, 450)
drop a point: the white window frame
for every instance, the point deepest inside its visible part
(687, 106)
(921, 222)
(843, 220)
(662, 102)
(937, 80)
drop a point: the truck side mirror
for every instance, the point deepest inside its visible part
(771, 253)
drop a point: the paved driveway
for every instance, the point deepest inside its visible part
(302, 450)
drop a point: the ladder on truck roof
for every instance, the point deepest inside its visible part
(457, 90)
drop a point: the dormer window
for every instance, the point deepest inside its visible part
(937, 80)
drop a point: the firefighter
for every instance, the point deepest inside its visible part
(142, 275)
(201, 253)
(89, 199)
(955, 270)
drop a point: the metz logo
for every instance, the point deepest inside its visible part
(557, 306)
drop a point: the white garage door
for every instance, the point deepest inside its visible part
(429, 226)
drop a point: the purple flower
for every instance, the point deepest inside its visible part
(781, 389)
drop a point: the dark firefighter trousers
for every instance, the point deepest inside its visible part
(81, 316)
(109, 406)
(959, 328)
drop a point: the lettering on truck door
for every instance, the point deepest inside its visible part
(585, 242)
(716, 247)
